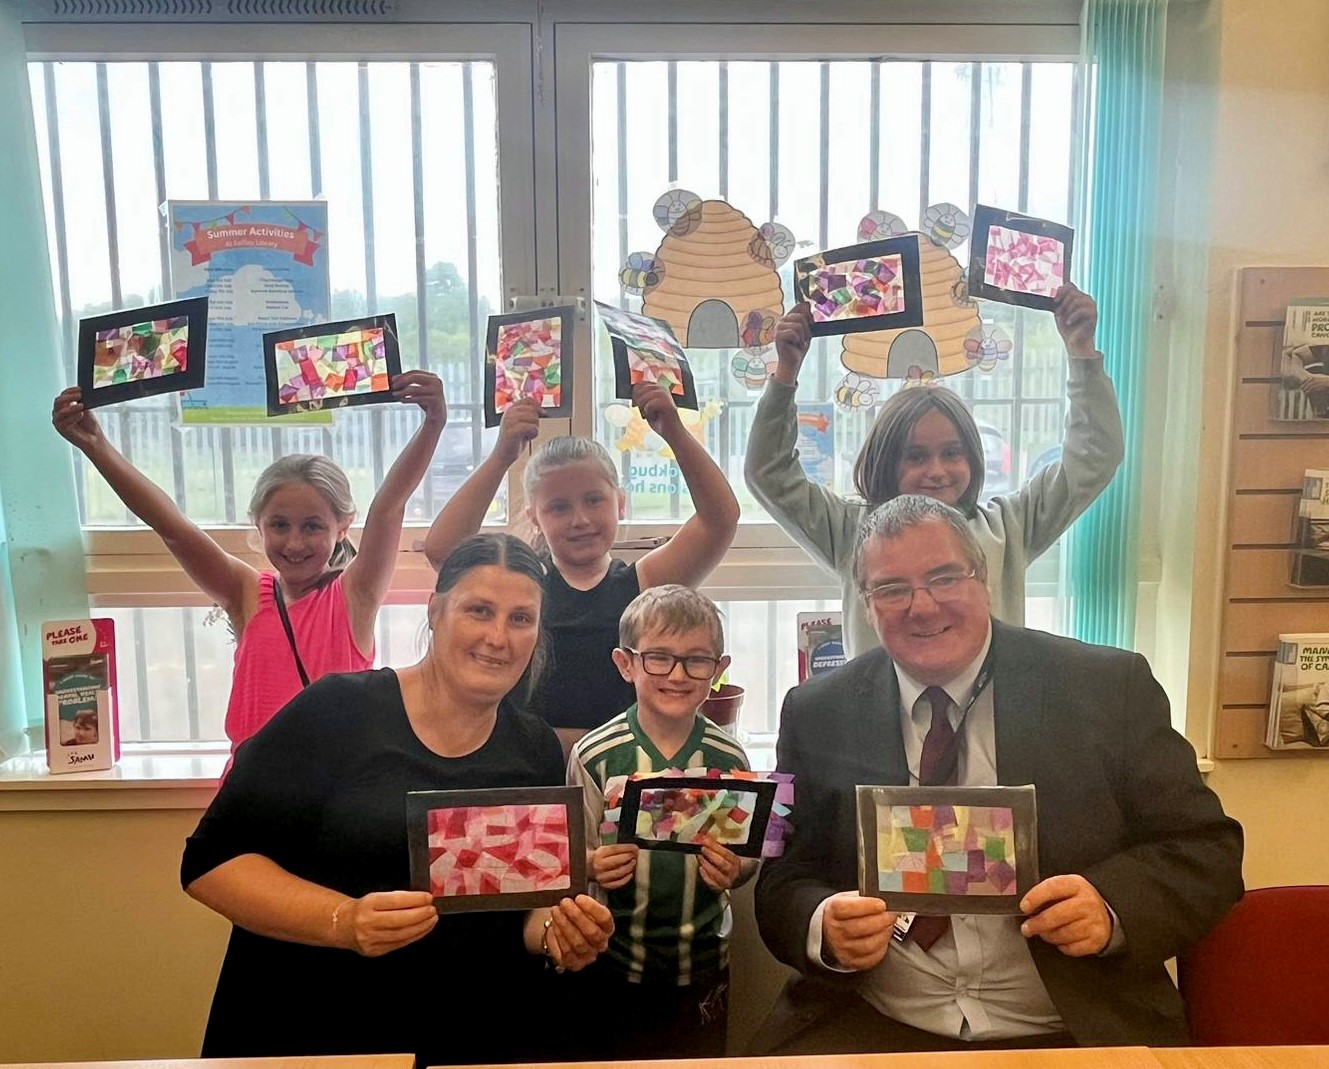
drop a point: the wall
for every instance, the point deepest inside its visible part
(1270, 205)
(104, 956)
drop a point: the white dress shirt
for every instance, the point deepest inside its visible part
(978, 980)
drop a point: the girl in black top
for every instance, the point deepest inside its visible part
(574, 500)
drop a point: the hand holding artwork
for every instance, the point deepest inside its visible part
(720, 866)
(1069, 913)
(1077, 318)
(579, 932)
(425, 389)
(614, 865)
(855, 931)
(657, 408)
(793, 336)
(383, 921)
(75, 423)
(520, 424)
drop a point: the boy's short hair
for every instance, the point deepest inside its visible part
(670, 608)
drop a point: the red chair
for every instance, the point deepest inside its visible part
(1262, 976)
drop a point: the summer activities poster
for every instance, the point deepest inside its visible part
(263, 266)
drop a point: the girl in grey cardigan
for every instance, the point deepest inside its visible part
(925, 441)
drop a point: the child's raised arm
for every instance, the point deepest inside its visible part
(219, 575)
(465, 511)
(691, 555)
(369, 574)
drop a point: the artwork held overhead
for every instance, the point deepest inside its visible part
(645, 350)
(142, 352)
(331, 365)
(942, 850)
(1017, 259)
(529, 354)
(871, 286)
(507, 848)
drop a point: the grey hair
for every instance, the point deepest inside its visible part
(672, 609)
(559, 453)
(903, 513)
(325, 477)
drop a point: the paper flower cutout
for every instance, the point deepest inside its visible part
(946, 224)
(855, 391)
(678, 212)
(641, 272)
(879, 225)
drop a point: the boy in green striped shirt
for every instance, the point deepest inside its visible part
(663, 984)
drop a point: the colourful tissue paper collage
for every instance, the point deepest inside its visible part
(503, 849)
(323, 367)
(141, 351)
(856, 290)
(1024, 263)
(686, 814)
(682, 815)
(528, 362)
(946, 849)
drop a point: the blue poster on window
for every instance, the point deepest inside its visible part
(816, 442)
(263, 265)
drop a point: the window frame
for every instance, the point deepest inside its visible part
(543, 56)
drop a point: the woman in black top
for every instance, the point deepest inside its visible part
(305, 850)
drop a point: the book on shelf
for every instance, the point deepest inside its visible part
(1299, 699)
(1310, 532)
(1301, 362)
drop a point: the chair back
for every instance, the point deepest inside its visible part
(1261, 977)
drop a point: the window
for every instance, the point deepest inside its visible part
(463, 167)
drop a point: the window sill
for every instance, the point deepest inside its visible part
(148, 776)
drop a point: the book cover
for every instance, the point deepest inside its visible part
(1299, 701)
(1310, 532)
(78, 677)
(1301, 362)
(820, 643)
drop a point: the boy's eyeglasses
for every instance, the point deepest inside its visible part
(944, 587)
(657, 663)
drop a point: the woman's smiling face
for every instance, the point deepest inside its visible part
(485, 630)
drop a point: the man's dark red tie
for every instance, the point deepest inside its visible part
(938, 767)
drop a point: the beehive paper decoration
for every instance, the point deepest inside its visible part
(949, 317)
(714, 278)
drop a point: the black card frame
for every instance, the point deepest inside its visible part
(1024, 812)
(764, 789)
(195, 309)
(563, 312)
(623, 373)
(420, 803)
(985, 217)
(391, 351)
(906, 247)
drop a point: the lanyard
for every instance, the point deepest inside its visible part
(950, 757)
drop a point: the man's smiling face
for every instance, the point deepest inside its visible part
(934, 641)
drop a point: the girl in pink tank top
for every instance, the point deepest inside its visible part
(303, 509)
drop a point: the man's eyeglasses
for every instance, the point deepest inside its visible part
(944, 587)
(658, 663)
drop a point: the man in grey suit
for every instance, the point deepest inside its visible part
(1138, 858)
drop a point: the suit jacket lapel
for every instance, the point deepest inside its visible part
(1017, 707)
(879, 718)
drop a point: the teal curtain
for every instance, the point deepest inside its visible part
(41, 552)
(1124, 47)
